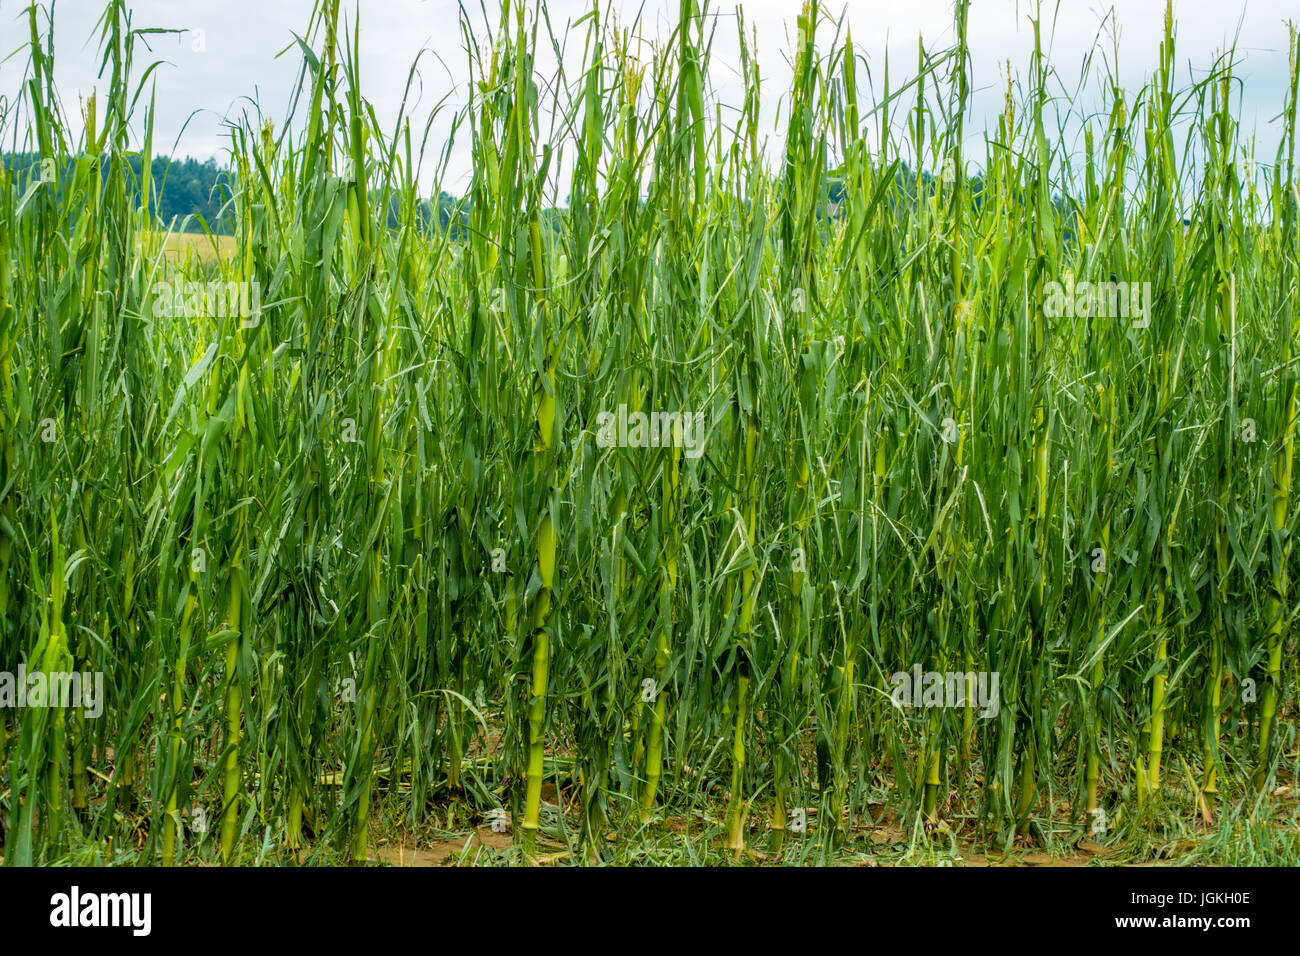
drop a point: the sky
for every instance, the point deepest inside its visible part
(235, 53)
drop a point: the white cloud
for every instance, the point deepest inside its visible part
(202, 84)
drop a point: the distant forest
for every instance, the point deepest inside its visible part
(182, 187)
(186, 189)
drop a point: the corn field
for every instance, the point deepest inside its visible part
(653, 489)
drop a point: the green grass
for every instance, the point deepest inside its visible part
(358, 567)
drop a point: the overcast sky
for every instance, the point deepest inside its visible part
(230, 54)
